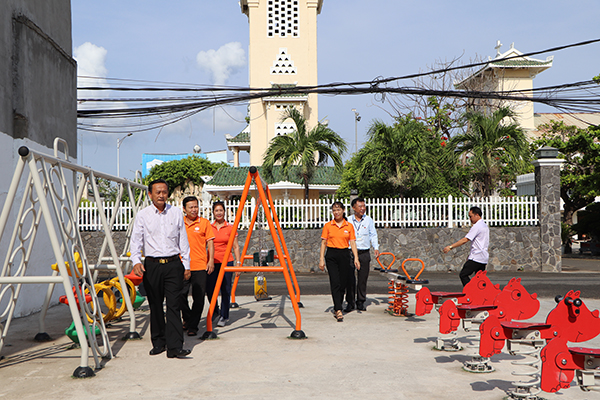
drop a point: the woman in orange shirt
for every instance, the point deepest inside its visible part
(222, 230)
(338, 238)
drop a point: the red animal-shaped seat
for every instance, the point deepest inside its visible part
(512, 303)
(571, 322)
(570, 319)
(480, 290)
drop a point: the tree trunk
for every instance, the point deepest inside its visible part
(306, 189)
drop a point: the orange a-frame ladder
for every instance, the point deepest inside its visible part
(266, 201)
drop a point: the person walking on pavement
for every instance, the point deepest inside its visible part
(339, 240)
(222, 231)
(202, 251)
(366, 236)
(159, 232)
(479, 236)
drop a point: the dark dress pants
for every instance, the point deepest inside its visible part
(358, 291)
(191, 316)
(164, 281)
(211, 282)
(469, 269)
(339, 270)
(364, 258)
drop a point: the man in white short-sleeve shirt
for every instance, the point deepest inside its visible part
(479, 236)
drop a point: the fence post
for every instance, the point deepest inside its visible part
(450, 213)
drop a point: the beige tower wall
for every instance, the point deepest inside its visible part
(518, 79)
(263, 52)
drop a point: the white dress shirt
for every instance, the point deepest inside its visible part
(479, 235)
(159, 234)
(366, 234)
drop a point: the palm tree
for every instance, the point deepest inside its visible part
(406, 157)
(306, 149)
(490, 144)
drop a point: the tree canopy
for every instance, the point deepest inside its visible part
(495, 145)
(177, 172)
(406, 159)
(580, 174)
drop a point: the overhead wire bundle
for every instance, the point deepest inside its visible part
(133, 113)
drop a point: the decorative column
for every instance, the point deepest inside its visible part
(547, 190)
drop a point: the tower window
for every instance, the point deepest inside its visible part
(278, 18)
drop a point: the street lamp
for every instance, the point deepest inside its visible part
(119, 141)
(356, 119)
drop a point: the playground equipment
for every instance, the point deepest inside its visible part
(570, 320)
(399, 285)
(51, 192)
(480, 290)
(512, 303)
(266, 202)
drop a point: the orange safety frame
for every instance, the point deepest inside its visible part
(266, 201)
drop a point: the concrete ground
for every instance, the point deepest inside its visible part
(371, 355)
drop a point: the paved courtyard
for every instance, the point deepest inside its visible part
(371, 355)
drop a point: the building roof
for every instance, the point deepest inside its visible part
(515, 60)
(242, 137)
(580, 120)
(236, 176)
(232, 180)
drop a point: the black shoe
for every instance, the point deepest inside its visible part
(361, 307)
(192, 332)
(350, 308)
(181, 353)
(157, 350)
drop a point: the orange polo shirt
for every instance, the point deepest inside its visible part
(221, 239)
(198, 232)
(338, 237)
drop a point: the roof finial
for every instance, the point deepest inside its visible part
(498, 46)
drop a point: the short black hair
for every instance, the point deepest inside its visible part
(475, 210)
(218, 203)
(154, 182)
(356, 200)
(188, 199)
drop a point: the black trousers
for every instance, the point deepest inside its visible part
(211, 283)
(164, 281)
(357, 288)
(191, 316)
(340, 273)
(469, 269)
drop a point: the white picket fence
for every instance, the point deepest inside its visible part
(393, 213)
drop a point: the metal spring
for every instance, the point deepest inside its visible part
(391, 295)
(402, 298)
(527, 390)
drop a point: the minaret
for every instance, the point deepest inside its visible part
(283, 52)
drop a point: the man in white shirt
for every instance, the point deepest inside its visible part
(366, 236)
(159, 232)
(479, 236)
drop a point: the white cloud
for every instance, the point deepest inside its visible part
(222, 63)
(90, 61)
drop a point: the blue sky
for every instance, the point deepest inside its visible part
(358, 40)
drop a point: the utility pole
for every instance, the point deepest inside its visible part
(356, 120)
(119, 141)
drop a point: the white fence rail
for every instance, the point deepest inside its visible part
(394, 213)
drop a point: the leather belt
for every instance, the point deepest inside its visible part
(164, 260)
(363, 251)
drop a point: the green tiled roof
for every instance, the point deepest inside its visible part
(516, 62)
(242, 137)
(236, 176)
